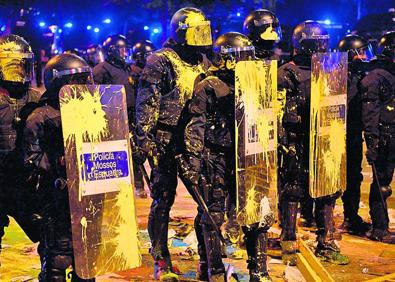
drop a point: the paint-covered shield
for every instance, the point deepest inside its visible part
(328, 112)
(256, 141)
(99, 179)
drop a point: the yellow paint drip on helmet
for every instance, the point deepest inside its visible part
(269, 34)
(199, 31)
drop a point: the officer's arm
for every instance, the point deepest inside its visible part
(148, 99)
(35, 158)
(370, 89)
(290, 116)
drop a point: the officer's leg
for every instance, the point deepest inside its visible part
(289, 206)
(164, 184)
(216, 168)
(202, 271)
(378, 200)
(256, 245)
(351, 197)
(327, 248)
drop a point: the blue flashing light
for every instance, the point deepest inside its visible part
(68, 25)
(107, 21)
(327, 22)
(88, 27)
(96, 29)
(60, 30)
(238, 14)
(155, 30)
(41, 24)
(146, 27)
(2, 28)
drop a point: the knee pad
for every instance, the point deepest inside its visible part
(386, 191)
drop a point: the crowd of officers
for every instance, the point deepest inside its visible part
(181, 108)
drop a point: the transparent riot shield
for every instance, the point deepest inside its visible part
(99, 179)
(256, 142)
(328, 112)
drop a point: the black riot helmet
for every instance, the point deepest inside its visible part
(66, 69)
(94, 55)
(310, 37)
(230, 48)
(357, 47)
(190, 26)
(386, 46)
(117, 48)
(16, 59)
(140, 51)
(263, 28)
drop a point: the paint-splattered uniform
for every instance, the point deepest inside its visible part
(166, 84)
(44, 157)
(295, 77)
(209, 140)
(15, 199)
(378, 115)
(352, 195)
(116, 72)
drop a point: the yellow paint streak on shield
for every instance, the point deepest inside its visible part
(186, 75)
(126, 253)
(256, 96)
(333, 157)
(327, 161)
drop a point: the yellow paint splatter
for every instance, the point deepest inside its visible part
(269, 34)
(83, 118)
(199, 31)
(256, 91)
(84, 226)
(389, 108)
(186, 75)
(327, 136)
(333, 156)
(126, 252)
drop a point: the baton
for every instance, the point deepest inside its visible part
(378, 185)
(145, 176)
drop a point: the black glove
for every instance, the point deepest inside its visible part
(372, 145)
(139, 156)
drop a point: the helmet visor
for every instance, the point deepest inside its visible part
(364, 53)
(199, 34)
(310, 46)
(240, 53)
(16, 67)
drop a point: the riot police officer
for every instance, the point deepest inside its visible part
(166, 85)
(16, 99)
(294, 77)
(263, 28)
(210, 137)
(378, 116)
(359, 54)
(116, 70)
(44, 157)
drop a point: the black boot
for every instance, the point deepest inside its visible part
(327, 249)
(216, 268)
(256, 243)
(289, 245)
(202, 271)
